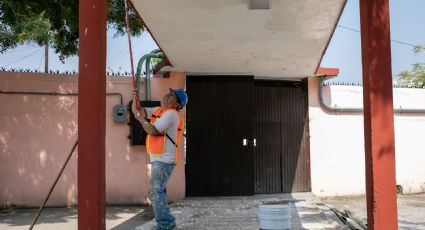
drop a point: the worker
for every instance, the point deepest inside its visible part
(164, 131)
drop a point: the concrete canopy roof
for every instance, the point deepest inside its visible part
(225, 37)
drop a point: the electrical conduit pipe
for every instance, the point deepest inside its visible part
(146, 57)
(334, 109)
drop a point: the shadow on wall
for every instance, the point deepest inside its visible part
(33, 131)
(38, 131)
(35, 138)
(36, 135)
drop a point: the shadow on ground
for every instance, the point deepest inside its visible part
(24, 217)
(117, 218)
(138, 219)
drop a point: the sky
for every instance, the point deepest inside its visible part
(344, 51)
(407, 25)
(117, 59)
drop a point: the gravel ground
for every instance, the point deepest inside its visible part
(240, 213)
(411, 208)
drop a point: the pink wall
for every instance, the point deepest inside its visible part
(37, 132)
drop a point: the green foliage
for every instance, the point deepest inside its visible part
(54, 22)
(418, 49)
(155, 62)
(399, 189)
(116, 19)
(32, 29)
(416, 76)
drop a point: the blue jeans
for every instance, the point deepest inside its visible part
(160, 173)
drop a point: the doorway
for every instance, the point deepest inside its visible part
(219, 117)
(246, 136)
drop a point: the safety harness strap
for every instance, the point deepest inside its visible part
(169, 138)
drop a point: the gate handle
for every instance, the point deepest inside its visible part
(246, 142)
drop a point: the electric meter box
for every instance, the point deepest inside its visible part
(120, 113)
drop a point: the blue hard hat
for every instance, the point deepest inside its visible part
(181, 96)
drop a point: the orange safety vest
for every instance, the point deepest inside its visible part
(155, 144)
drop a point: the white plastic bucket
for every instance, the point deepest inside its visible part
(274, 217)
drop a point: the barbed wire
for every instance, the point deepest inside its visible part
(332, 83)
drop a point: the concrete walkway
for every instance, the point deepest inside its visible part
(191, 213)
(117, 218)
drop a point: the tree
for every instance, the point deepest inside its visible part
(54, 22)
(416, 76)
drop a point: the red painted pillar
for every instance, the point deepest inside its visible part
(378, 115)
(91, 114)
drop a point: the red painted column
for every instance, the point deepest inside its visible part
(91, 114)
(378, 115)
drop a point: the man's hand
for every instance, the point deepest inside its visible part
(134, 105)
(136, 108)
(150, 129)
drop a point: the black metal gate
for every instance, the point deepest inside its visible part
(225, 110)
(281, 130)
(219, 116)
